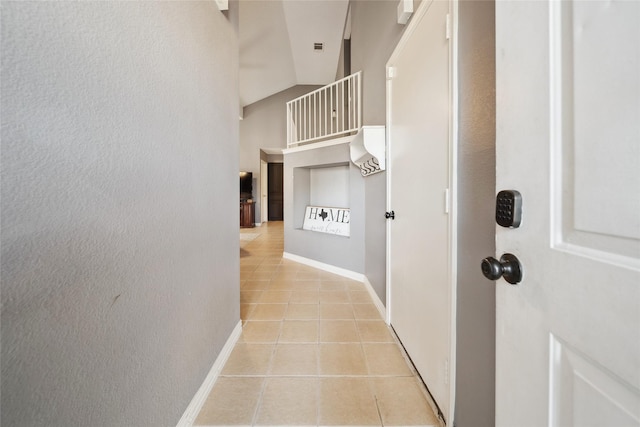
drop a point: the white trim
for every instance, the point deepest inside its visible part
(198, 400)
(388, 90)
(453, 213)
(344, 273)
(264, 190)
(347, 25)
(326, 267)
(322, 144)
(376, 300)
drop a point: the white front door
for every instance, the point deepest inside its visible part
(419, 260)
(568, 139)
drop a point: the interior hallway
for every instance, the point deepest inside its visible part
(313, 351)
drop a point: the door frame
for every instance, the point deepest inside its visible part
(450, 197)
(281, 182)
(264, 191)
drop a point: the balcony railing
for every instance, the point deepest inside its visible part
(329, 112)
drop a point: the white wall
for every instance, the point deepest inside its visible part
(120, 265)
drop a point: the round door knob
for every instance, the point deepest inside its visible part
(508, 267)
(491, 268)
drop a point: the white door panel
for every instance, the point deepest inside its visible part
(419, 237)
(568, 138)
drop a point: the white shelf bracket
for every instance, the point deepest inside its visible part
(368, 150)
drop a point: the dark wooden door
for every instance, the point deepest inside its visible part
(275, 196)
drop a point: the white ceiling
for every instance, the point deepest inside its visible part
(276, 44)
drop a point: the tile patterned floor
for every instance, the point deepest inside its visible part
(314, 351)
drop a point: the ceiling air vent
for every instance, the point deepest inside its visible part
(318, 47)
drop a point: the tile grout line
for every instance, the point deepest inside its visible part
(369, 376)
(378, 409)
(266, 376)
(264, 252)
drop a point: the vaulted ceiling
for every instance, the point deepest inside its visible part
(277, 40)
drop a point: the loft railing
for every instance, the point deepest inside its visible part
(329, 112)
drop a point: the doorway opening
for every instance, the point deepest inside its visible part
(275, 194)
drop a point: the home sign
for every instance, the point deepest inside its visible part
(327, 220)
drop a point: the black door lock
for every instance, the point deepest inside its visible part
(391, 215)
(509, 208)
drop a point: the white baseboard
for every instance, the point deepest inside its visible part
(198, 400)
(376, 299)
(344, 273)
(326, 267)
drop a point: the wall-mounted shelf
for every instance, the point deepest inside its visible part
(222, 4)
(368, 150)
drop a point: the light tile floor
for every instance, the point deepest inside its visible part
(314, 350)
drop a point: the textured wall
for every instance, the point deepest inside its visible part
(475, 382)
(265, 126)
(119, 208)
(374, 35)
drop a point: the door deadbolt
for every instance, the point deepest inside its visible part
(508, 267)
(509, 208)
